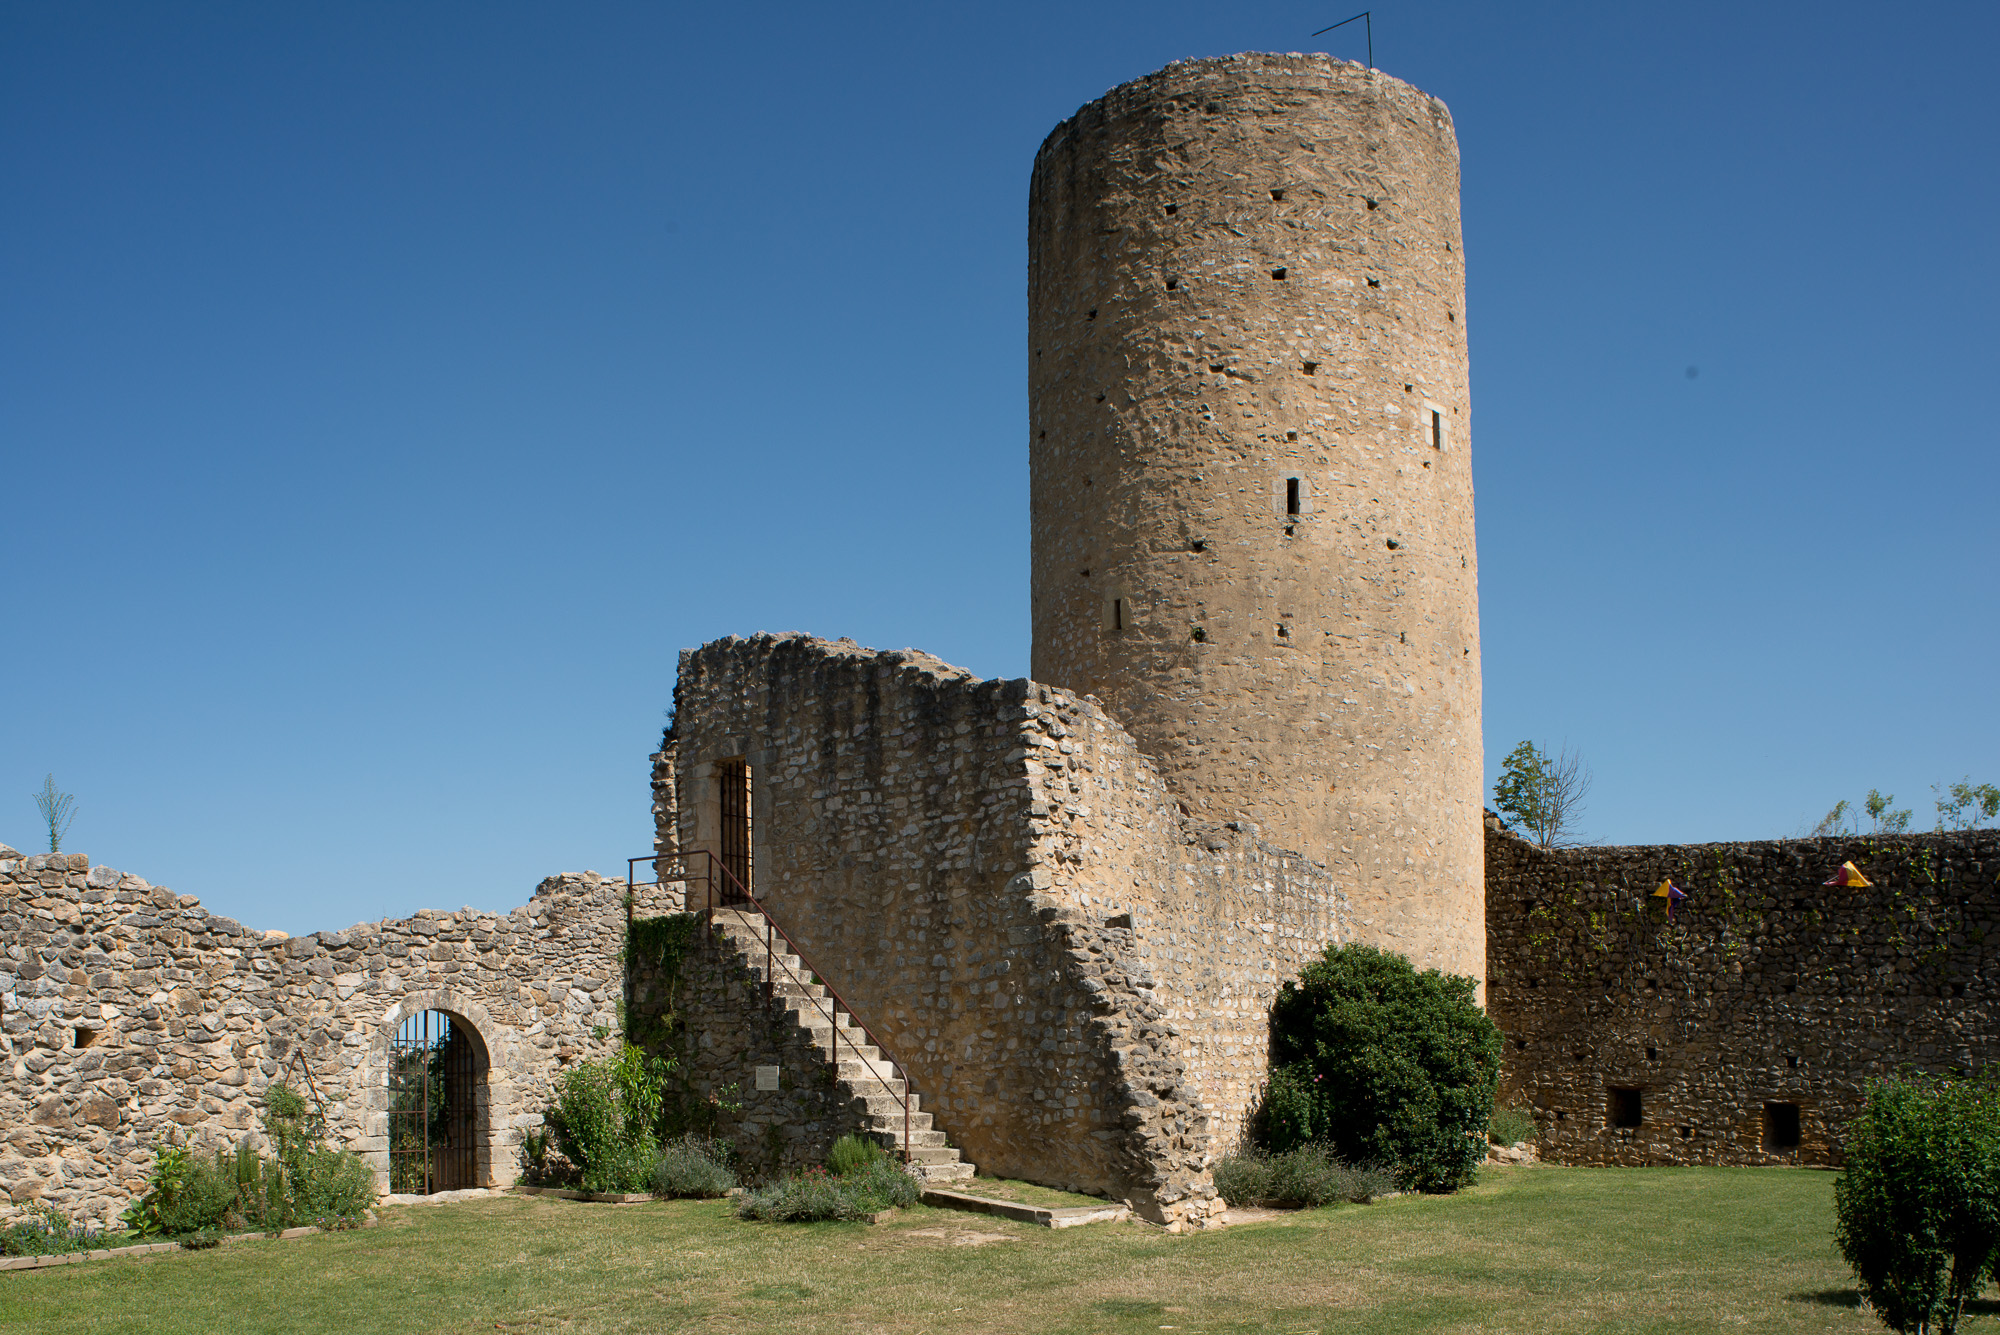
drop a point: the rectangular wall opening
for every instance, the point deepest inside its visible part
(1437, 429)
(1117, 614)
(1622, 1107)
(1781, 1127)
(1291, 496)
(733, 778)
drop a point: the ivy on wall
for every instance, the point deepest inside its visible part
(657, 948)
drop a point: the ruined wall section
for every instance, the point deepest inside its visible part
(998, 881)
(1216, 916)
(1768, 987)
(132, 1013)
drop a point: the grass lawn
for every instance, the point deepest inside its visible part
(1025, 1193)
(1528, 1250)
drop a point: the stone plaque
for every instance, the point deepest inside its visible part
(767, 1077)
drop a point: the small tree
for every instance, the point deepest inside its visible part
(1383, 1065)
(1886, 821)
(1966, 805)
(1544, 793)
(58, 810)
(1917, 1207)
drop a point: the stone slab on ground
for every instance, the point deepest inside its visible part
(565, 1194)
(1045, 1216)
(437, 1197)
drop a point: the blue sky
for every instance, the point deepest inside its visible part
(387, 393)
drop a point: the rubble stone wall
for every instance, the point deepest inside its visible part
(132, 1014)
(997, 880)
(1768, 988)
(707, 1010)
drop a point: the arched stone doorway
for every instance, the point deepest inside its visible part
(497, 1057)
(439, 1116)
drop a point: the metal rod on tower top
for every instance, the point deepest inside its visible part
(1368, 24)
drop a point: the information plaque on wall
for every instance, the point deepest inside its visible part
(767, 1077)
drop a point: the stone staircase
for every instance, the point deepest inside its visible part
(860, 1069)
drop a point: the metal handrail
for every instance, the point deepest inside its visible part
(709, 905)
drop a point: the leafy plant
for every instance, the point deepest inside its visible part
(46, 1231)
(1886, 820)
(693, 1166)
(1544, 793)
(852, 1154)
(606, 1119)
(304, 1181)
(1965, 805)
(1308, 1176)
(1511, 1126)
(184, 1193)
(818, 1194)
(1836, 822)
(1917, 1206)
(1382, 1064)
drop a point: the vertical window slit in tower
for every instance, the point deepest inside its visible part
(1437, 429)
(1291, 496)
(1117, 614)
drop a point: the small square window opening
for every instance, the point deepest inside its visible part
(1622, 1107)
(1781, 1128)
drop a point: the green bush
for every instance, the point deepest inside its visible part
(815, 1194)
(1511, 1126)
(1384, 1065)
(691, 1166)
(606, 1117)
(1917, 1205)
(46, 1231)
(185, 1193)
(304, 1182)
(1306, 1175)
(852, 1153)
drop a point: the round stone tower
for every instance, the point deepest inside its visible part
(1251, 479)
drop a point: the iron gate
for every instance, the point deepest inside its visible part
(433, 1106)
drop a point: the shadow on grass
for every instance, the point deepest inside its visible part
(1852, 1298)
(1130, 1307)
(1827, 1297)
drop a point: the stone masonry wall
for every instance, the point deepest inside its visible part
(997, 880)
(1767, 987)
(131, 1014)
(722, 1029)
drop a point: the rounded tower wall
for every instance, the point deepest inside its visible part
(1250, 474)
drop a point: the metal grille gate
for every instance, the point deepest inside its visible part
(433, 1112)
(734, 777)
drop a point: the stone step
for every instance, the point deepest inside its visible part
(868, 1077)
(853, 1065)
(947, 1172)
(920, 1128)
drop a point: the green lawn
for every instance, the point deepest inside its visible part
(1528, 1250)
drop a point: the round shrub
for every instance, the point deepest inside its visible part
(1917, 1205)
(1384, 1065)
(692, 1166)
